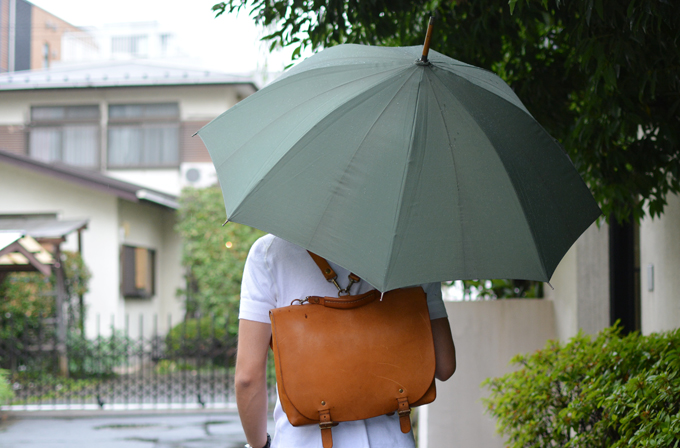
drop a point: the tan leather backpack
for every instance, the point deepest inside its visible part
(353, 357)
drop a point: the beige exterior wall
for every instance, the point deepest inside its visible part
(660, 249)
(487, 334)
(15, 107)
(197, 104)
(150, 226)
(24, 191)
(4, 35)
(47, 29)
(112, 222)
(13, 138)
(162, 179)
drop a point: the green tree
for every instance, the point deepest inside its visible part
(214, 255)
(602, 76)
(28, 297)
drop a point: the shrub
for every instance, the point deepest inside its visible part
(27, 298)
(200, 337)
(610, 391)
(99, 356)
(6, 392)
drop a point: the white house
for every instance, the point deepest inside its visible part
(128, 241)
(130, 120)
(111, 142)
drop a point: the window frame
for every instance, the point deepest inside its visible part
(127, 290)
(60, 124)
(144, 123)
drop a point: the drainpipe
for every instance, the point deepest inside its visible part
(11, 41)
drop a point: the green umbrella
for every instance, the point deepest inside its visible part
(402, 171)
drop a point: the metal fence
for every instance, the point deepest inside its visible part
(191, 366)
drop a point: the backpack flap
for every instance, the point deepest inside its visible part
(354, 362)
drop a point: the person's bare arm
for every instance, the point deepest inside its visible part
(251, 379)
(444, 350)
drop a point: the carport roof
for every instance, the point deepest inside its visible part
(20, 252)
(46, 227)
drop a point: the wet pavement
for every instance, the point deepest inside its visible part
(109, 430)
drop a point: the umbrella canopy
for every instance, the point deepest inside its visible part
(401, 171)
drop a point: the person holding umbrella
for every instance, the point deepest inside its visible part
(277, 272)
(404, 169)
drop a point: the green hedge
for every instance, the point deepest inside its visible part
(607, 391)
(6, 392)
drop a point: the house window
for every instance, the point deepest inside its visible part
(138, 268)
(67, 134)
(46, 55)
(136, 46)
(143, 135)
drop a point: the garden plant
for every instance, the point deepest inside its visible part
(604, 391)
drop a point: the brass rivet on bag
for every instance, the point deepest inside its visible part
(328, 271)
(323, 403)
(401, 391)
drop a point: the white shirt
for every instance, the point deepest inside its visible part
(278, 272)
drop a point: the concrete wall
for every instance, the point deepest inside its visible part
(487, 334)
(660, 249)
(581, 285)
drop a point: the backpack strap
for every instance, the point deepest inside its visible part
(331, 276)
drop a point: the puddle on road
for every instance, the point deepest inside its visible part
(128, 426)
(142, 439)
(211, 439)
(217, 422)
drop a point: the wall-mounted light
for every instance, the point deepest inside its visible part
(650, 277)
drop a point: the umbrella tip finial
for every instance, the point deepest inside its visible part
(426, 46)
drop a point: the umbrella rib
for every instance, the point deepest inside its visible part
(287, 155)
(253, 187)
(368, 131)
(518, 194)
(481, 81)
(273, 121)
(395, 223)
(398, 212)
(455, 168)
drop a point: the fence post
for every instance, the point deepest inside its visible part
(61, 318)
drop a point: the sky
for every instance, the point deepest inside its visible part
(229, 43)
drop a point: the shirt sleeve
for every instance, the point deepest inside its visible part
(435, 303)
(258, 294)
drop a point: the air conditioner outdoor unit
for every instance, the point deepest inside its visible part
(197, 175)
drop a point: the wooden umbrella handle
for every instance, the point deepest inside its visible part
(428, 37)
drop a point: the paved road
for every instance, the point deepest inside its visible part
(188, 430)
